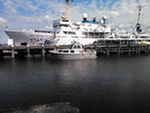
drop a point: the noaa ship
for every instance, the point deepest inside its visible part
(64, 32)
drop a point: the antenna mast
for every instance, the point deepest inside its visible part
(67, 9)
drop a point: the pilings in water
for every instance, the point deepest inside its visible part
(129, 49)
(107, 49)
(139, 49)
(43, 51)
(28, 51)
(1, 53)
(147, 49)
(21, 51)
(120, 49)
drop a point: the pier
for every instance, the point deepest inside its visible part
(31, 51)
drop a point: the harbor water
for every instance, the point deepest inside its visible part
(108, 84)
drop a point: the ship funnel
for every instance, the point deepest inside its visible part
(84, 17)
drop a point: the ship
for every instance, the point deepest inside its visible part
(64, 32)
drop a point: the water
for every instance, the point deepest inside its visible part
(114, 84)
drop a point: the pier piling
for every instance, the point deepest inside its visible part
(12, 51)
(107, 49)
(139, 49)
(28, 51)
(43, 51)
(1, 53)
(148, 49)
(129, 49)
(118, 49)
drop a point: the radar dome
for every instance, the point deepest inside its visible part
(85, 16)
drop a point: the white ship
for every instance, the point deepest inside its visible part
(85, 32)
(64, 32)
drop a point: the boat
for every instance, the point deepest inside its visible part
(73, 51)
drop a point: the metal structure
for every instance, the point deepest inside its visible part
(138, 26)
(67, 9)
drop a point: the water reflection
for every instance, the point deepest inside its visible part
(107, 84)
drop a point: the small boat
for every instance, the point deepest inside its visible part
(73, 51)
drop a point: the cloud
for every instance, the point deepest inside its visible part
(2, 21)
(47, 18)
(12, 9)
(41, 13)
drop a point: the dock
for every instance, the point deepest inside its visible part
(20, 51)
(29, 51)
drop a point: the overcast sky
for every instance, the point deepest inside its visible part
(39, 14)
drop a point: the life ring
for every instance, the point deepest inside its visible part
(34, 41)
(81, 51)
(96, 36)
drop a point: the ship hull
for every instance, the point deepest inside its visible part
(71, 56)
(20, 37)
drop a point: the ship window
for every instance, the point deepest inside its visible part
(77, 47)
(60, 51)
(72, 51)
(63, 25)
(65, 51)
(143, 37)
(69, 46)
(39, 31)
(69, 32)
(65, 20)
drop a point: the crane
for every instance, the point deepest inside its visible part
(67, 9)
(138, 26)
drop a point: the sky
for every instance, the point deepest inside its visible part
(39, 14)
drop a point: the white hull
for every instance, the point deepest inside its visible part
(30, 38)
(73, 51)
(71, 56)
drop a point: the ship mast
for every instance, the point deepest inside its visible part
(67, 9)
